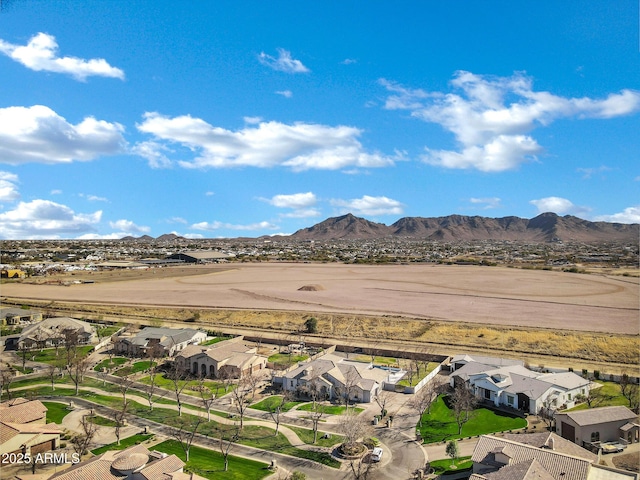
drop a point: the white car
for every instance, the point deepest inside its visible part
(376, 455)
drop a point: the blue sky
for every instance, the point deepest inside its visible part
(227, 119)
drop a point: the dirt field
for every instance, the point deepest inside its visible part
(485, 295)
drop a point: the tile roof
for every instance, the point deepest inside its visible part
(594, 416)
(551, 441)
(559, 465)
(21, 410)
(527, 470)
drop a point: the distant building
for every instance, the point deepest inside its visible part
(200, 256)
(54, 331)
(603, 424)
(169, 341)
(133, 463)
(19, 316)
(24, 429)
(12, 273)
(231, 359)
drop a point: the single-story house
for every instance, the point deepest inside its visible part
(603, 424)
(53, 331)
(520, 458)
(201, 256)
(19, 316)
(335, 377)
(24, 428)
(517, 387)
(168, 341)
(231, 358)
(133, 463)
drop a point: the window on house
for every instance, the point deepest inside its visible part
(568, 396)
(487, 394)
(292, 383)
(595, 437)
(509, 400)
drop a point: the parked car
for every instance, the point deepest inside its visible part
(612, 447)
(376, 455)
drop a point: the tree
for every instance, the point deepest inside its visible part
(70, 340)
(77, 368)
(228, 436)
(453, 451)
(207, 397)
(151, 389)
(423, 399)
(119, 416)
(311, 325)
(82, 440)
(382, 397)
(186, 433)
(25, 349)
(178, 376)
(52, 373)
(240, 397)
(276, 410)
(353, 427)
(462, 403)
(630, 390)
(7, 376)
(124, 383)
(547, 411)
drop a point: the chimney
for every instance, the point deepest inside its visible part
(552, 443)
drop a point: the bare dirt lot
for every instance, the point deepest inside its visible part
(482, 295)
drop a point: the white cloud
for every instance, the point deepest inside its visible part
(486, 203)
(296, 200)
(628, 215)
(94, 198)
(153, 152)
(252, 120)
(349, 61)
(45, 219)
(284, 62)
(587, 173)
(98, 236)
(285, 93)
(301, 146)
(560, 206)
(128, 226)
(211, 226)
(56, 192)
(490, 117)
(8, 188)
(41, 54)
(38, 134)
(368, 205)
(209, 194)
(177, 220)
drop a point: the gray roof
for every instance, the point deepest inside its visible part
(549, 440)
(527, 470)
(560, 466)
(167, 336)
(492, 361)
(595, 416)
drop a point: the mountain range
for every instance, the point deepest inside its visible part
(546, 227)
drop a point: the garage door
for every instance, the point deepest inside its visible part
(568, 432)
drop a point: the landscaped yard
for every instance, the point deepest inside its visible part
(213, 341)
(269, 404)
(48, 355)
(444, 466)
(115, 362)
(102, 421)
(610, 393)
(56, 411)
(330, 409)
(210, 464)
(440, 424)
(216, 387)
(137, 367)
(285, 360)
(124, 443)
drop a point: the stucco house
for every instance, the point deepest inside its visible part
(335, 377)
(24, 428)
(231, 358)
(517, 387)
(19, 316)
(54, 331)
(166, 341)
(524, 458)
(603, 424)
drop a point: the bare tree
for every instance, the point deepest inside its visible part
(276, 410)
(124, 384)
(462, 403)
(179, 380)
(382, 398)
(7, 376)
(362, 469)
(151, 389)
(316, 393)
(207, 397)
(24, 350)
(119, 416)
(70, 340)
(423, 399)
(228, 436)
(547, 411)
(186, 433)
(82, 440)
(52, 373)
(630, 390)
(241, 398)
(346, 390)
(77, 369)
(353, 427)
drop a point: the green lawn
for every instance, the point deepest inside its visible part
(284, 360)
(48, 355)
(440, 424)
(306, 435)
(102, 421)
(270, 403)
(161, 381)
(611, 393)
(377, 360)
(115, 362)
(210, 463)
(124, 443)
(330, 409)
(418, 378)
(137, 367)
(215, 340)
(22, 370)
(56, 411)
(462, 464)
